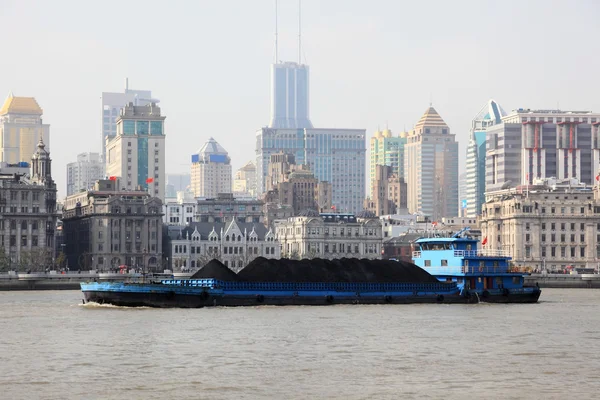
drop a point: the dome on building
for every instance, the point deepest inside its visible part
(387, 133)
(213, 152)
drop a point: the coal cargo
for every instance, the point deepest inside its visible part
(216, 270)
(339, 270)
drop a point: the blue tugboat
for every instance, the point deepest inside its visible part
(481, 275)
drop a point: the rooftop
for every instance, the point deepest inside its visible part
(20, 105)
(430, 118)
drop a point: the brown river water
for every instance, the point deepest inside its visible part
(53, 347)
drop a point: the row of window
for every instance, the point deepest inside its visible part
(23, 224)
(23, 243)
(14, 195)
(563, 251)
(128, 247)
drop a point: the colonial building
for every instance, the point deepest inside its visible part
(549, 225)
(106, 227)
(28, 215)
(330, 235)
(235, 244)
(226, 208)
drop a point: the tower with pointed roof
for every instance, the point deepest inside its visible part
(21, 127)
(211, 170)
(431, 168)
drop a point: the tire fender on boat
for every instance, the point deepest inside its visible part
(329, 299)
(505, 292)
(204, 295)
(260, 298)
(388, 299)
(440, 298)
(485, 294)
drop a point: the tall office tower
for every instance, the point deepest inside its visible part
(387, 149)
(490, 114)
(111, 108)
(137, 153)
(289, 96)
(83, 173)
(211, 170)
(245, 179)
(431, 168)
(462, 194)
(333, 155)
(537, 144)
(21, 128)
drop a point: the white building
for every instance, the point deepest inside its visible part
(330, 236)
(136, 154)
(431, 168)
(289, 96)
(83, 173)
(245, 180)
(181, 210)
(211, 170)
(111, 108)
(21, 128)
(235, 244)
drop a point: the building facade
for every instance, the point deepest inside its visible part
(211, 170)
(289, 96)
(540, 144)
(136, 154)
(489, 115)
(21, 128)
(431, 168)
(235, 244)
(549, 225)
(386, 149)
(107, 227)
(226, 208)
(336, 156)
(112, 103)
(28, 215)
(83, 173)
(330, 236)
(245, 180)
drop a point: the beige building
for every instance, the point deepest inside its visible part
(211, 170)
(388, 191)
(137, 153)
(28, 215)
(330, 236)
(431, 168)
(549, 225)
(106, 227)
(21, 128)
(245, 180)
(386, 149)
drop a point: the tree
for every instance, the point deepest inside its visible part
(4, 260)
(23, 262)
(40, 258)
(61, 260)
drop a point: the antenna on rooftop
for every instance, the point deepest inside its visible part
(299, 31)
(276, 55)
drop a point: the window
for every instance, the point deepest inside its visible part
(527, 251)
(553, 251)
(544, 251)
(543, 226)
(444, 263)
(563, 251)
(553, 226)
(527, 237)
(582, 252)
(428, 263)
(543, 237)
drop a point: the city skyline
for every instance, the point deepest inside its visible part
(348, 88)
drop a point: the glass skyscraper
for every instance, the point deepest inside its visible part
(289, 96)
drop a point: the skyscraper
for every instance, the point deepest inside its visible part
(111, 108)
(431, 168)
(536, 144)
(289, 96)
(21, 128)
(490, 114)
(83, 173)
(211, 170)
(137, 153)
(387, 149)
(333, 155)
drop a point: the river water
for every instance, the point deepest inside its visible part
(53, 347)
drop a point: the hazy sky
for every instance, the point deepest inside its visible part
(372, 62)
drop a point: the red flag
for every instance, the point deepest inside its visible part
(598, 177)
(149, 180)
(333, 207)
(112, 178)
(484, 241)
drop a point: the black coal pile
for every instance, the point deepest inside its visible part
(216, 270)
(340, 270)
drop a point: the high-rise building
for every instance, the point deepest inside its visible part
(333, 155)
(539, 144)
(211, 170)
(431, 168)
(490, 114)
(387, 149)
(137, 153)
(111, 108)
(83, 173)
(388, 191)
(21, 128)
(245, 179)
(289, 96)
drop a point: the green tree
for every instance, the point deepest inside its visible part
(4, 260)
(61, 260)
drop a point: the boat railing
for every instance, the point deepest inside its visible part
(313, 286)
(470, 253)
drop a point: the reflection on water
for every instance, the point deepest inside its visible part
(54, 347)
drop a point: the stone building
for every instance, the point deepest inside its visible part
(549, 225)
(389, 192)
(330, 235)
(28, 215)
(226, 208)
(106, 227)
(233, 243)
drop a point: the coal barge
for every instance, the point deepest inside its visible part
(285, 282)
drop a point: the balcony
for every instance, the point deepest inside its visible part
(471, 253)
